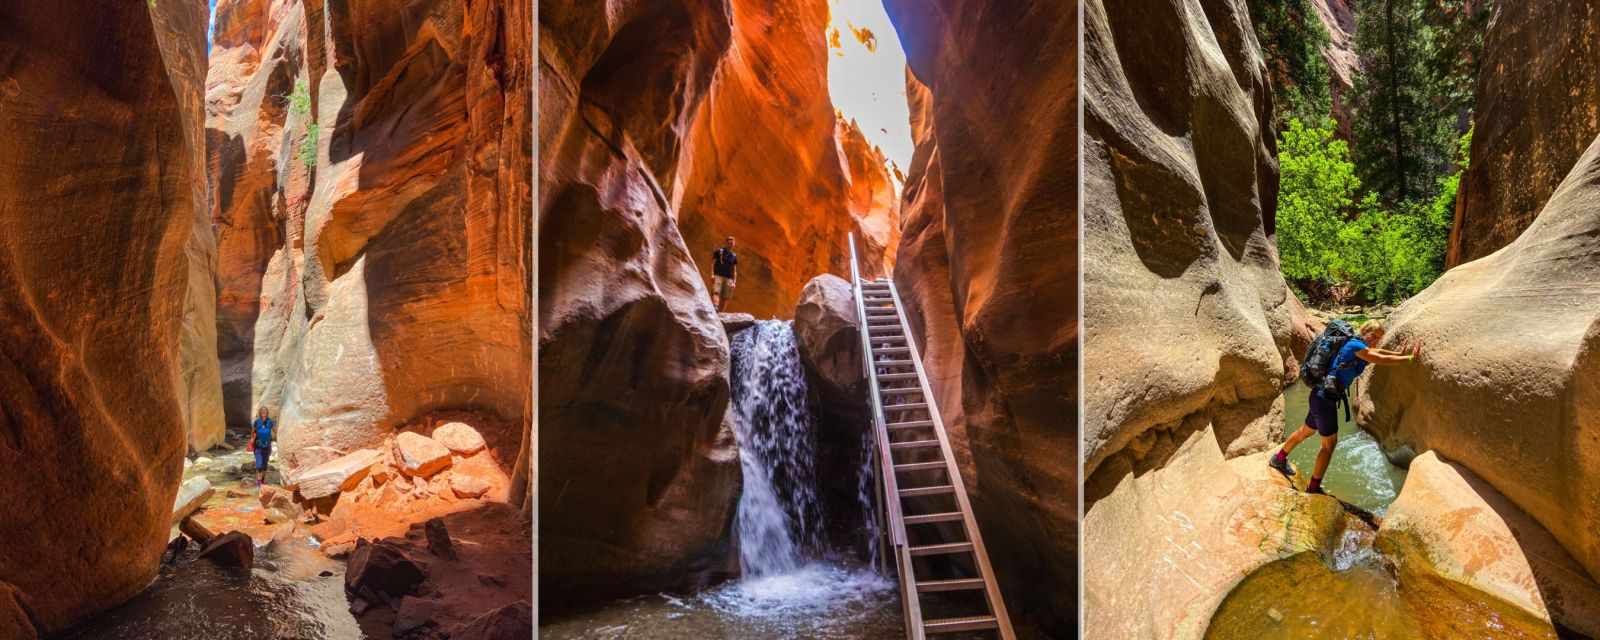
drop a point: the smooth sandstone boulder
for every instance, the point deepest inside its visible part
(191, 495)
(987, 268)
(340, 474)
(1471, 534)
(100, 191)
(1508, 385)
(829, 337)
(420, 456)
(459, 437)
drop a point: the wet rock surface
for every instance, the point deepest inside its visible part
(102, 363)
(987, 269)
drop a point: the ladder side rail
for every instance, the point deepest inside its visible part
(910, 606)
(997, 605)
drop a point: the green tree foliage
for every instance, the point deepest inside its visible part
(1456, 49)
(1292, 39)
(1403, 124)
(1317, 192)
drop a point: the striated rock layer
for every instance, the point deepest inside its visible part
(102, 359)
(987, 268)
(371, 172)
(1187, 321)
(639, 471)
(767, 161)
(1538, 106)
(1507, 386)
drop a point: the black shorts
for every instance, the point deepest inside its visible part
(1323, 414)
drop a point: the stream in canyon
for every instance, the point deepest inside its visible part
(792, 585)
(1360, 589)
(293, 591)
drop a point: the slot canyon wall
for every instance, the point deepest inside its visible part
(103, 376)
(988, 272)
(370, 169)
(1187, 320)
(663, 128)
(1538, 106)
(1507, 386)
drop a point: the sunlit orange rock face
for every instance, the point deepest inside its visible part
(988, 269)
(100, 251)
(768, 163)
(370, 167)
(1538, 106)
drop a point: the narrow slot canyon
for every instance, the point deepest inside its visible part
(712, 474)
(318, 210)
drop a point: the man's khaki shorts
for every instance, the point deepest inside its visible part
(722, 286)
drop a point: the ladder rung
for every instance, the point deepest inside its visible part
(901, 392)
(890, 377)
(916, 492)
(913, 406)
(942, 549)
(920, 466)
(885, 334)
(952, 625)
(915, 424)
(889, 350)
(889, 322)
(893, 363)
(930, 518)
(958, 584)
(891, 312)
(914, 444)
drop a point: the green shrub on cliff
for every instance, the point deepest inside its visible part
(1292, 39)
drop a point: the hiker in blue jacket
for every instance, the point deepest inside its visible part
(261, 434)
(1323, 417)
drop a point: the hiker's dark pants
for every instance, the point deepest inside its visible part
(1323, 415)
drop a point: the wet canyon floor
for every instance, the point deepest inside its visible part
(1369, 586)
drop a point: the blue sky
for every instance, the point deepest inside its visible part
(213, 25)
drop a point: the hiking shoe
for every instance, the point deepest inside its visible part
(1316, 490)
(1281, 464)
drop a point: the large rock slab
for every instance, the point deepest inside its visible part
(829, 334)
(1509, 381)
(100, 191)
(1471, 534)
(334, 476)
(459, 437)
(1535, 113)
(191, 495)
(638, 472)
(987, 268)
(420, 456)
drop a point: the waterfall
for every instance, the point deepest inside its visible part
(780, 513)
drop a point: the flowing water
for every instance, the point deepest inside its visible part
(1359, 590)
(1359, 473)
(792, 585)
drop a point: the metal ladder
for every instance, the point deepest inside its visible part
(912, 447)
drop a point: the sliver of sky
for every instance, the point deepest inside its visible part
(870, 85)
(211, 27)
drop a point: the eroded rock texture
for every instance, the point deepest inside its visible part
(1187, 320)
(988, 272)
(100, 192)
(639, 471)
(1509, 382)
(1338, 18)
(768, 162)
(1538, 106)
(371, 167)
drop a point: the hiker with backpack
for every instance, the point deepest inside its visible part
(261, 434)
(1336, 358)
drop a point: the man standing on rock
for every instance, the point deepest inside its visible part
(261, 443)
(724, 271)
(1323, 416)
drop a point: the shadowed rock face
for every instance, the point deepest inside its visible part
(99, 198)
(987, 269)
(768, 162)
(1338, 18)
(1538, 106)
(1509, 382)
(370, 165)
(639, 470)
(1187, 320)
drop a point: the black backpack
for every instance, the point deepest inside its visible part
(1319, 358)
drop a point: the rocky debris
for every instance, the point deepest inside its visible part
(466, 486)
(192, 494)
(307, 458)
(1534, 117)
(381, 572)
(175, 549)
(733, 323)
(1471, 534)
(511, 622)
(104, 247)
(420, 456)
(459, 438)
(340, 474)
(987, 270)
(825, 325)
(1506, 385)
(413, 614)
(233, 549)
(438, 538)
(622, 301)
